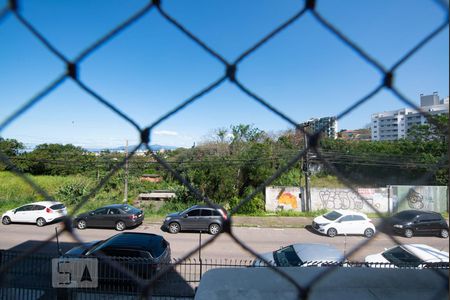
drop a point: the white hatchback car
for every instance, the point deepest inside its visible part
(40, 213)
(408, 255)
(344, 222)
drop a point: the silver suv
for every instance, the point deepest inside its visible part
(196, 218)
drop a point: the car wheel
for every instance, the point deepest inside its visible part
(368, 233)
(81, 224)
(214, 229)
(444, 233)
(174, 227)
(332, 232)
(40, 222)
(6, 220)
(120, 225)
(409, 233)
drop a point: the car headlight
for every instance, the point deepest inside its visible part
(398, 226)
(167, 219)
(324, 224)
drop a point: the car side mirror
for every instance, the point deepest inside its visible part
(91, 213)
(185, 216)
(15, 211)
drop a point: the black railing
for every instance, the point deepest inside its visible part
(33, 276)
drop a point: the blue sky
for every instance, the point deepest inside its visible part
(151, 67)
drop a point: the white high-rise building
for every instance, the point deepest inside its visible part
(327, 125)
(394, 125)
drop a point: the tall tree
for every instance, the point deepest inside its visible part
(10, 148)
(435, 129)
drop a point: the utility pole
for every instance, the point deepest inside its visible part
(125, 194)
(306, 167)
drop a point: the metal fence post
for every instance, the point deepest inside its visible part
(200, 253)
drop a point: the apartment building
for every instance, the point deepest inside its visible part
(394, 125)
(327, 125)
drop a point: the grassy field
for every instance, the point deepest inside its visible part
(14, 191)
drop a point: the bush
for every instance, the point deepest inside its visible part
(175, 205)
(72, 192)
(253, 206)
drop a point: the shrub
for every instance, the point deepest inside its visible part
(72, 192)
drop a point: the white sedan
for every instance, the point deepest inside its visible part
(39, 213)
(344, 222)
(408, 255)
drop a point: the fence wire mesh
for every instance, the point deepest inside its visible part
(387, 83)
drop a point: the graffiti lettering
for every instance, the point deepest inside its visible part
(415, 200)
(343, 199)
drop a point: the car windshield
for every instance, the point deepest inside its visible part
(186, 211)
(405, 215)
(142, 242)
(287, 257)
(399, 256)
(332, 215)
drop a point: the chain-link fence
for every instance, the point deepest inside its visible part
(387, 83)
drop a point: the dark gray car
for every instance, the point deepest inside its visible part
(196, 218)
(118, 216)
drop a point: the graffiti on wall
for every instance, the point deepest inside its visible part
(346, 199)
(282, 198)
(286, 199)
(415, 199)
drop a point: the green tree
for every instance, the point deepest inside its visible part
(11, 148)
(435, 129)
(57, 159)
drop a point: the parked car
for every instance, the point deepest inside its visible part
(416, 222)
(410, 255)
(118, 216)
(127, 244)
(344, 222)
(40, 213)
(196, 218)
(141, 253)
(302, 255)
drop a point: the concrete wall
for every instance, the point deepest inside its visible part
(329, 199)
(283, 198)
(389, 199)
(433, 198)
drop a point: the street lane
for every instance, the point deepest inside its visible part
(23, 236)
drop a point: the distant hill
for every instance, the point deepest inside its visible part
(30, 147)
(155, 147)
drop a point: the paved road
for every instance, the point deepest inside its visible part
(23, 236)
